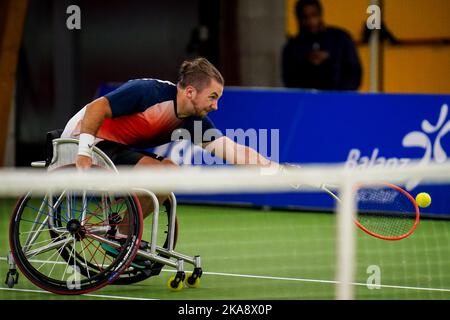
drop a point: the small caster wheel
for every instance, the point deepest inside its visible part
(12, 278)
(192, 280)
(175, 283)
(10, 282)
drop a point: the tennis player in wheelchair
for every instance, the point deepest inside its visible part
(144, 113)
(100, 235)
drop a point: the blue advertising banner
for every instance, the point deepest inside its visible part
(360, 130)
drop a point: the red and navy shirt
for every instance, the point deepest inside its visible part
(144, 115)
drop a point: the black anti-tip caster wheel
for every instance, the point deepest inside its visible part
(12, 278)
(193, 278)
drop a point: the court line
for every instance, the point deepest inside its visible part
(87, 295)
(316, 281)
(308, 280)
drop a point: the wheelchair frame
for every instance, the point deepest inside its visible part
(64, 151)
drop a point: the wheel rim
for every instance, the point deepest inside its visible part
(76, 254)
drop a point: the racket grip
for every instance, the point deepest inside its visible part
(285, 169)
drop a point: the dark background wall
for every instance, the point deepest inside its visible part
(60, 69)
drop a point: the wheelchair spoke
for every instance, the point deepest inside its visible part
(46, 240)
(121, 206)
(72, 256)
(89, 250)
(44, 213)
(75, 269)
(42, 230)
(51, 246)
(92, 214)
(69, 206)
(74, 206)
(103, 210)
(84, 256)
(38, 217)
(68, 263)
(33, 236)
(59, 251)
(54, 207)
(71, 210)
(83, 207)
(49, 258)
(100, 266)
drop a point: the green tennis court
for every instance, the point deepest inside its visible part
(254, 254)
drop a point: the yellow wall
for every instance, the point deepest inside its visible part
(408, 69)
(413, 19)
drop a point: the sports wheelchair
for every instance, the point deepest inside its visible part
(62, 241)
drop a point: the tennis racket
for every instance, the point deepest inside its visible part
(384, 210)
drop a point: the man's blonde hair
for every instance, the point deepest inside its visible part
(198, 73)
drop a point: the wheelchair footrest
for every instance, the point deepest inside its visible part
(137, 263)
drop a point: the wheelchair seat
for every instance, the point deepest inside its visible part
(51, 135)
(63, 151)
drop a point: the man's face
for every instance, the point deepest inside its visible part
(311, 18)
(206, 100)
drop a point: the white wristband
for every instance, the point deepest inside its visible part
(85, 144)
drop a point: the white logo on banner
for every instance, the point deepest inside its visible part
(182, 151)
(433, 151)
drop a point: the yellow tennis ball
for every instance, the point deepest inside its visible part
(423, 199)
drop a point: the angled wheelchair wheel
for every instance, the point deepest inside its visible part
(58, 240)
(141, 270)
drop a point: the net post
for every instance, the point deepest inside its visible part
(346, 244)
(376, 54)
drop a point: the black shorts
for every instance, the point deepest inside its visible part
(124, 155)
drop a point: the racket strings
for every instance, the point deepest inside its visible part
(385, 211)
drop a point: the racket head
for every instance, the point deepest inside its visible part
(386, 211)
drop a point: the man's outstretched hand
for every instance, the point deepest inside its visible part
(287, 166)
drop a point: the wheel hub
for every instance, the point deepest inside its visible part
(76, 229)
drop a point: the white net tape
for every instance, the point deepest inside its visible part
(204, 180)
(213, 180)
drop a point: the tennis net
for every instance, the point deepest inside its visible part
(248, 251)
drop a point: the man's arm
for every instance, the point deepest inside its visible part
(235, 153)
(96, 112)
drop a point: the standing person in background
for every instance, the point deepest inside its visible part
(320, 57)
